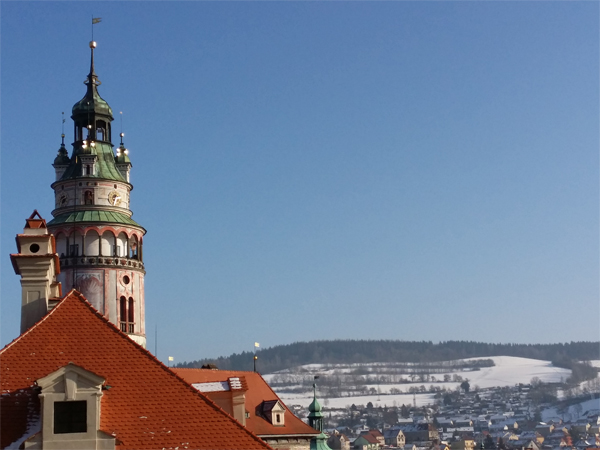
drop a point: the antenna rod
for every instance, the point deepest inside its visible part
(256, 345)
(62, 135)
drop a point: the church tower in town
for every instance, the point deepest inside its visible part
(99, 245)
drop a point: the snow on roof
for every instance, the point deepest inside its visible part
(257, 392)
(212, 387)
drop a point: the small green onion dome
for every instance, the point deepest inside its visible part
(122, 156)
(62, 159)
(92, 103)
(315, 406)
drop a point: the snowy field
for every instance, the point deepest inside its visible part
(346, 402)
(573, 413)
(507, 371)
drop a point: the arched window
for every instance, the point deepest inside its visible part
(74, 242)
(100, 130)
(127, 315)
(121, 248)
(123, 310)
(62, 245)
(130, 316)
(133, 247)
(92, 243)
(88, 198)
(107, 245)
(140, 252)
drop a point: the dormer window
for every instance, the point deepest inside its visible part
(70, 417)
(70, 410)
(274, 412)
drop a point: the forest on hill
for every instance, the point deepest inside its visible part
(281, 357)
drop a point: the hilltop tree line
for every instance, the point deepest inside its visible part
(366, 351)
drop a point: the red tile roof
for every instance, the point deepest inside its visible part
(148, 406)
(369, 438)
(258, 392)
(375, 433)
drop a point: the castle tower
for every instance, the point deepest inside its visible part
(99, 245)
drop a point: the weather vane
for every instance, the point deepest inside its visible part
(95, 20)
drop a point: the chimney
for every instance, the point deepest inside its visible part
(37, 263)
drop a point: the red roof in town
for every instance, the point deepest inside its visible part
(369, 438)
(258, 391)
(375, 433)
(147, 406)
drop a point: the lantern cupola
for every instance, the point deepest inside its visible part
(93, 155)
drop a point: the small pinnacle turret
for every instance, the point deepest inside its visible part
(315, 420)
(315, 416)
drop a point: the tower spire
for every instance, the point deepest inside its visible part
(315, 420)
(315, 416)
(92, 80)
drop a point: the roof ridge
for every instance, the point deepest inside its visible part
(44, 317)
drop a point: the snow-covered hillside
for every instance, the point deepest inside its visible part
(574, 413)
(507, 371)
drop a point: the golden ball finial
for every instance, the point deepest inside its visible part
(92, 44)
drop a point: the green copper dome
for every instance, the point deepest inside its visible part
(95, 216)
(92, 103)
(315, 416)
(62, 158)
(315, 408)
(122, 154)
(106, 168)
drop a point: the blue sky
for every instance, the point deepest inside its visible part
(329, 170)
